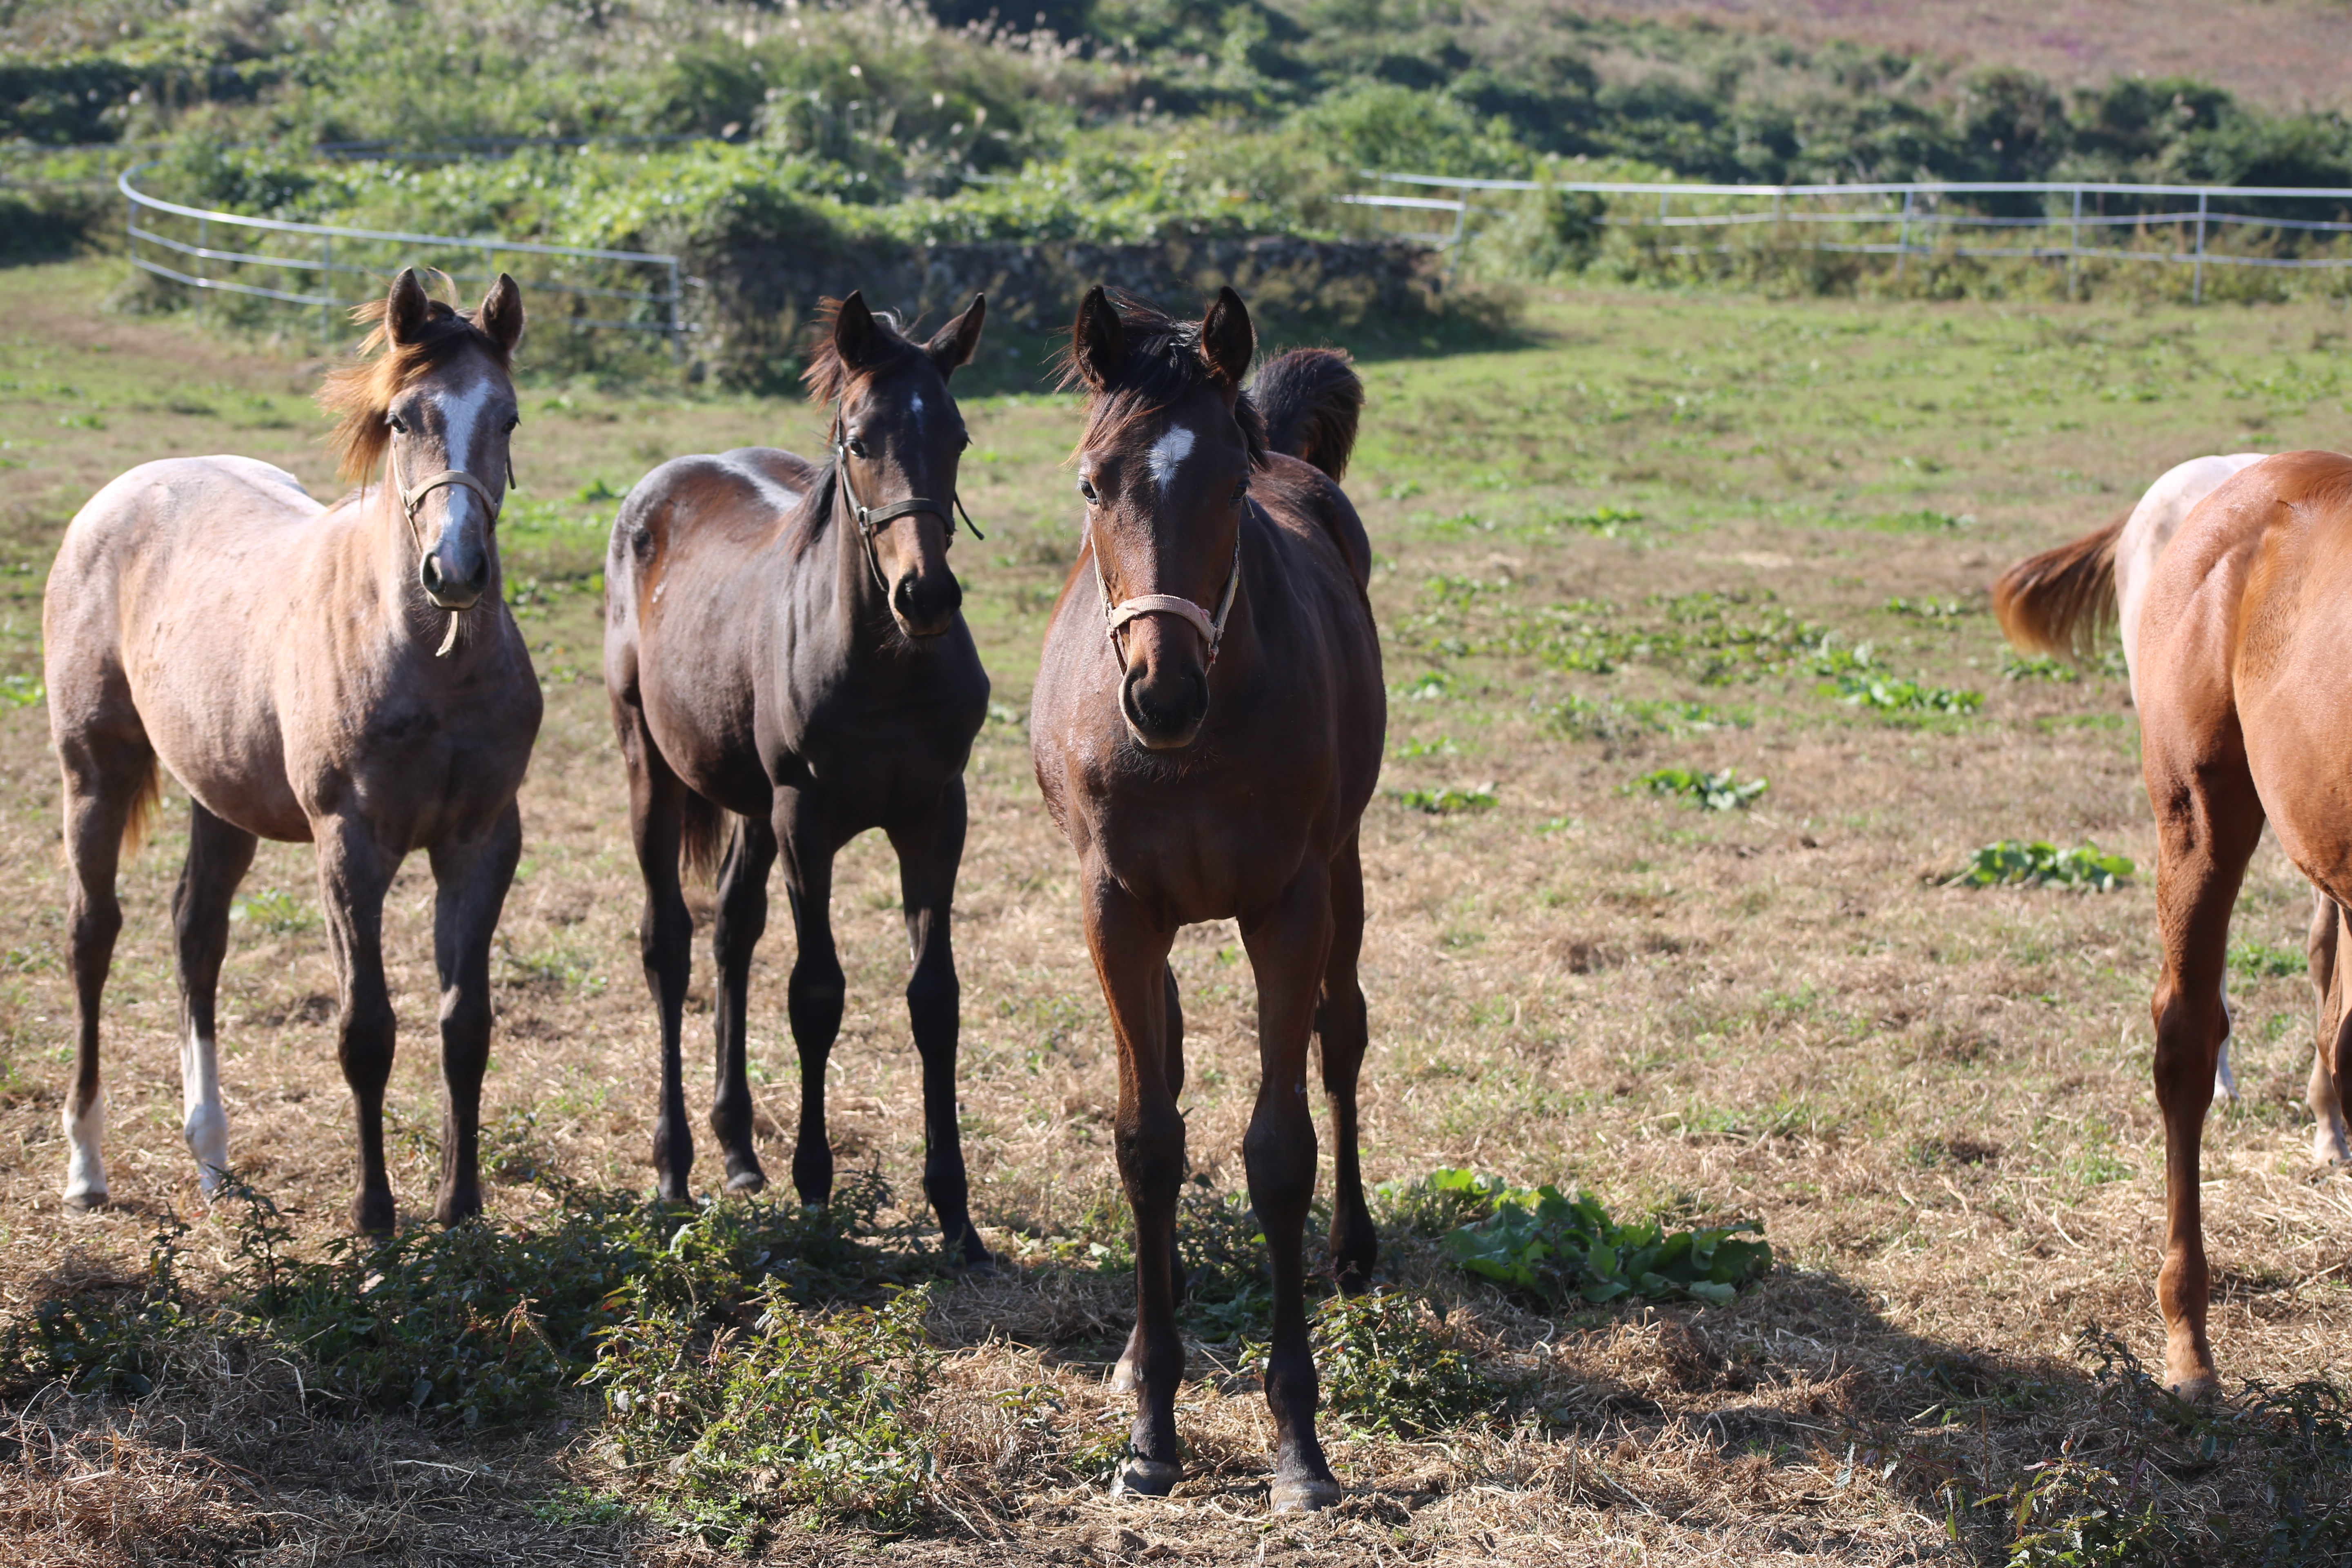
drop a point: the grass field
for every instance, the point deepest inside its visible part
(1658, 532)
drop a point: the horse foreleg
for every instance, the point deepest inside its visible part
(218, 856)
(2333, 1033)
(664, 935)
(930, 851)
(2209, 820)
(1340, 1021)
(742, 919)
(1289, 948)
(1131, 961)
(1124, 1378)
(100, 792)
(471, 877)
(815, 992)
(353, 873)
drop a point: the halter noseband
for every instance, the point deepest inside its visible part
(870, 519)
(1211, 627)
(412, 496)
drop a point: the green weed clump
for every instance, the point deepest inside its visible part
(1542, 1244)
(1883, 694)
(1616, 721)
(1388, 1365)
(1723, 790)
(1446, 800)
(2038, 864)
(797, 1417)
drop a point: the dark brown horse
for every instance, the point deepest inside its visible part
(783, 642)
(347, 675)
(2237, 628)
(1207, 731)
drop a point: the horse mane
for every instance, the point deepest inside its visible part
(362, 392)
(1163, 362)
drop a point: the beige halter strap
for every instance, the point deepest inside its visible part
(412, 497)
(1211, 627)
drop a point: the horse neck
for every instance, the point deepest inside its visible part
(858, 610)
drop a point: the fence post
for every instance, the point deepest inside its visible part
(204, 243)
(676, 325)
(327, 294)
(1902, 237)
(2197, 293)
(2073, 241)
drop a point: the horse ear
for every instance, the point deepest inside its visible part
(1228, 341)
(1097, 342)
(952, 345)
(501, 313)
(406, 307)
(854, 331)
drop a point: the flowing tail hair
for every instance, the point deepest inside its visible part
(2060, 601)
(146, 798)
(699, 839)
(1310, 400)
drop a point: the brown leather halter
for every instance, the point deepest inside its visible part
(870, 519)
(412, 496)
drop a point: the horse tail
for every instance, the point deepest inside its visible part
(1310, 400)
(2059, 601)
(146, 799)
(698, 842)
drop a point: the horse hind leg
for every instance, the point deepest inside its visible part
(742, 919)
(218, 856)
(1344, 1030)
(2333, 1052)
(111, 786)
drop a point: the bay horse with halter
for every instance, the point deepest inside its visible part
(345, 675)
(2236, 636)
(1207, 731)
(785, 644)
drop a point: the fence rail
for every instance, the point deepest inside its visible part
(1930, 218)
(191, 259)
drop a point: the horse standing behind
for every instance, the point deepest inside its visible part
(1207, 731)
(779, 650)
(2235, 642)
(280, 659)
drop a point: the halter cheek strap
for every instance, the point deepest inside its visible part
(1211, 627)
(870, 519)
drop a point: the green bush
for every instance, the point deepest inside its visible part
(1723, 790)
(1387, 1365)
(2011, 863)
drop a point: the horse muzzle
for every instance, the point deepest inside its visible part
(448, 592)
(925, 605)
(1164, 710)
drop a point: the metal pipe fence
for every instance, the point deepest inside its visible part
(1928, 218)
(627, 290)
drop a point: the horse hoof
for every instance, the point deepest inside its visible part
(1304, 1496)
(747, 1181)
(982, 1267)
(86, 1201)
(1146, 1477)
(2204, 1388)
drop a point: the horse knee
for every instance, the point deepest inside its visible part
(934, 1001)
(1279, 1153)
(1151, 1155)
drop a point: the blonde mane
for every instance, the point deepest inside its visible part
(360, 393)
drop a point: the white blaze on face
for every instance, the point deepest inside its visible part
(461, 423)
(1167, 454)
(915, 408)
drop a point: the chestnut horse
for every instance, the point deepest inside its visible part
(2237, 667)
(289, 664)
(783, 642)
(1207, 731)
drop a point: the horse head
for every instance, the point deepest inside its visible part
(1165, 467)
(896, 440)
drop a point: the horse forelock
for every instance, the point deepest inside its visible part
(1162, 365)
(360, 394)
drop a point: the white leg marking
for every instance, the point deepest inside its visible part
(205, 1125)
(2225, 1082)
(85, 1166)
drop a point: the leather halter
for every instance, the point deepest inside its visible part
(1211, 627)
(870, 519)
(412, 496)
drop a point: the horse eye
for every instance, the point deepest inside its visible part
(512, 423)
(1241, 492)
(1087, 488)
(856, 445)
(399, 425)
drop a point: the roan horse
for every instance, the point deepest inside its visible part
(290, 665)
(2237, 643)
(1207, 731)
(778, 648)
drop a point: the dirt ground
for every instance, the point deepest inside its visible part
(1936, 1100)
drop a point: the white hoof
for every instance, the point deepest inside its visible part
(207, 1135)
(85, 1187)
